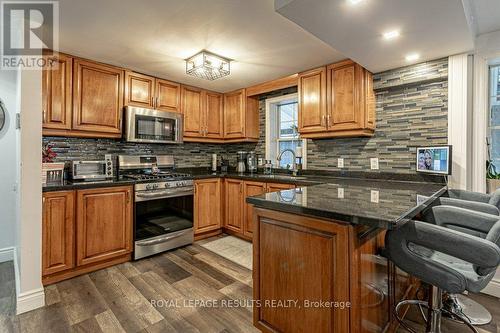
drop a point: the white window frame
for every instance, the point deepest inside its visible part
(272, 135)
(493, 84)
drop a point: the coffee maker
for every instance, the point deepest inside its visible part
(241, 161)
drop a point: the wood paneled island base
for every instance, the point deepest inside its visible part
(319, 275)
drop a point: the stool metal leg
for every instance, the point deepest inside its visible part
(434, 310)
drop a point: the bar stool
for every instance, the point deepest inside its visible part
(459, 253)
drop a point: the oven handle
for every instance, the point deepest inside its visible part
(163, 239)
(162, 194)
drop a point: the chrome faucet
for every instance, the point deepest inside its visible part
(294, 164)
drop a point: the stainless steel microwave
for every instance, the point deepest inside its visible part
(152, 126)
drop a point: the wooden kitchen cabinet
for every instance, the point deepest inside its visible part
(168, 96)
(214, 115)
(250, 189)
(275, 187)
(336, 101)
(192, 108)
(139, 90)
(97, 98)
(234, 205)
(150, 92)
(207, 205)
(312, 101)
(58, 232)
(56, 92)
(241, 116)
(104, 224)
(203, 114)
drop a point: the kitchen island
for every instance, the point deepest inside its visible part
(317, 262)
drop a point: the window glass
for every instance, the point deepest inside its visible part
(495, 116)
(288, 132)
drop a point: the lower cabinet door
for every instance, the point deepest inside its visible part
(104, 224)
(58, 232)
(234, 205)
(207, 205)
(251, 189)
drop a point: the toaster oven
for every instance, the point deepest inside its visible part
(93, 170)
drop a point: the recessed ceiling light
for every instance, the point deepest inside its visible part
(354, 2)
(412, 57)
(391, 34)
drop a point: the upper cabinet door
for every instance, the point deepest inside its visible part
(214, 115)
(168, 96)
(345, 82)
(234, 114)
(97, 97)
(312, 101)
(139, 90)
(192, 107)
(56, 92)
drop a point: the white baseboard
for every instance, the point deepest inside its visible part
(493, 288)
(30, 300)
(6, 254)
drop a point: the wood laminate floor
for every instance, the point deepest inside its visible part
(132, 297)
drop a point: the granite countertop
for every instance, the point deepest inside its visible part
(69, 185)
(397, 201)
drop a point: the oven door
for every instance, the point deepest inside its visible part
(146, 125)
(89, 170)
(163, 224)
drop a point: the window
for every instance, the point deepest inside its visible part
(495, 116)
(282, 130)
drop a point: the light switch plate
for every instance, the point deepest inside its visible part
(374, 163)
(340, 193)
(374, 196)
(340, 163)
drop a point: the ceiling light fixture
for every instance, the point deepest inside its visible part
(354, 2)
(391, 34)
(412, 57)
(207, 65)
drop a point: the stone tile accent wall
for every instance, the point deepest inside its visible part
(411, 111)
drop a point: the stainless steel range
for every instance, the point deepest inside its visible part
(163, 203)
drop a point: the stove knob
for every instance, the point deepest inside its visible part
(155, 186)
(167, 185)
(149, 187)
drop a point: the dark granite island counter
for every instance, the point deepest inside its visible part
(317, 249)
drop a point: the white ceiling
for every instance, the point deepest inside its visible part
(484, 15)
(431, 28)
(155, 36)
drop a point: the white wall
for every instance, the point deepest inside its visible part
(487, 51)
(30, 293)
(8, 165)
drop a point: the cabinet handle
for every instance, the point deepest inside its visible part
(128, 196)
(328, 121)
(44, 115)
(153, 102)
(323, 118)
(156, 103)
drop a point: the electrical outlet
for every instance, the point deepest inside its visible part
(340, 193)
(374, 196)
(374, 163)
(340, 163)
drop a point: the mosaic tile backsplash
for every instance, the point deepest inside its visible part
(411, 111)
